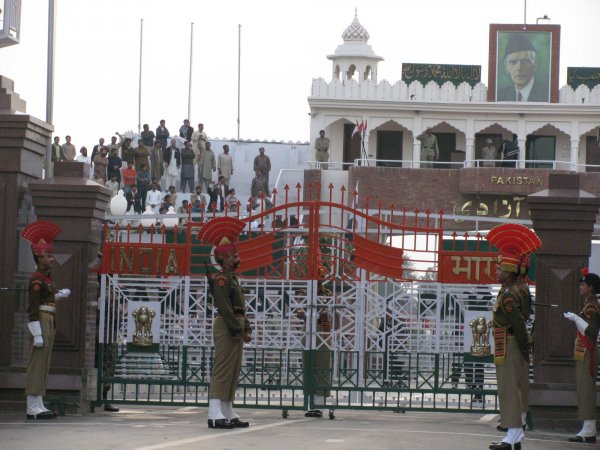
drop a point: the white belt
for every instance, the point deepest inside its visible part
(47, 308)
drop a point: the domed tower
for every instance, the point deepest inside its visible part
(355, 59)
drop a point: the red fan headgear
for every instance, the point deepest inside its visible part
(223, 233)
(515, 242)
(41, 234)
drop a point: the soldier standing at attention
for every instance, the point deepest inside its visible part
(511, 352)
(40, 310)
(231, 328)
(429, 148)
(322, 149)
(586, 355)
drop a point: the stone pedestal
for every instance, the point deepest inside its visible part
(77, 205)
(563, 217)
(23, 142)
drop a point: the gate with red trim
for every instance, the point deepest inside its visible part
(396, 336)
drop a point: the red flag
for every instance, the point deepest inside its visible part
(364, 128)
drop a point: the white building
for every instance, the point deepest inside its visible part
(562, 134)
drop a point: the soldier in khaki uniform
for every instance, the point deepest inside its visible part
(231, 327)
(586, 355)
(510, 334)
(42, 296)
(429, 148)
(321, 356)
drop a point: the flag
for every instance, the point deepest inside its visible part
(356, 129)
(360, 128)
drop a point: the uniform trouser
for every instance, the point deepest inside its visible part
(39, 363)
(228, 363)
(427, 157)
(586, 389)
(509, 377)
(524, 386)
(322, 157)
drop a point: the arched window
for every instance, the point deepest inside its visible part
(336, 72)
(350, 72)
(367, 74)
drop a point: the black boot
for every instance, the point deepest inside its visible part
(220, 423)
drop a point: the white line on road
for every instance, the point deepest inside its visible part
(488, 417)
(217, 435)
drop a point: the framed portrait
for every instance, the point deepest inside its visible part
(524, 63)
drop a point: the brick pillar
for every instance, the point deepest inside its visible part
(77, 205)
(563, 217)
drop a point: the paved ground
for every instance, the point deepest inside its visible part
(185, 428)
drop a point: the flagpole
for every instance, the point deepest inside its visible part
(140, 79)
(50, 80)
(189, 111)
(238, 80)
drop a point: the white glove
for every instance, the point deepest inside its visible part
(63, 293)
(36, 330)
(579, 322)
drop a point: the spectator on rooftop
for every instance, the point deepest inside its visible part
(134, 199)
(96, 149)
(68, 150)
(259, 184)
(199, 139)
(231, 201)
(206, 167)
(153, 198)
(141, 156)
(263, 163)
(147, 136)
(129, 177)
(127, 151)
(114, 165)
(156, 162)
(162, 134)
(113, 184)
(225, 166)
(172, 163)
(198, 196)
(143, 183)
(100, 165)
(186, 131)
(187, 166)
(172, 196)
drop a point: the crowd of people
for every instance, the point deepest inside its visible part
(148, 173)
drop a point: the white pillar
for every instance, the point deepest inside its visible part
(575, 155)
(469, 151)
(522, 152)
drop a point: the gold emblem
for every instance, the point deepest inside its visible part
(481, 336)
(143, 326)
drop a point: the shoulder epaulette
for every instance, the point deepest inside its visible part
(221, 280)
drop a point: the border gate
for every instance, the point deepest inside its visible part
(397, 337)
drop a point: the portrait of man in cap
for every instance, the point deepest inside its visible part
(523, 73)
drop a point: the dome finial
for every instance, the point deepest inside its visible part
(355, 11)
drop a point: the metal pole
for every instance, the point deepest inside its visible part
(189, 112)
(140, 80)
(239, 74)
(50, 79)
(524, 12)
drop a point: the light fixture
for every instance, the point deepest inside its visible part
(146, 223)
(118, 204)
(545, 19)
(171, 222)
